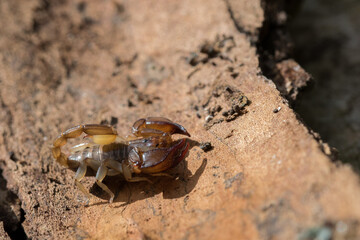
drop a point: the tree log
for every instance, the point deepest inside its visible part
(65, 63)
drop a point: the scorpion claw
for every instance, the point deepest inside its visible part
(161, 159)
(157, 125)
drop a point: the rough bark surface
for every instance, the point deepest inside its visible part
(69, 62)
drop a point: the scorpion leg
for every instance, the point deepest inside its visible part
(114, 165)
(161, 175)
(100, 175)
(80, 173)
(125, 170)
(101, 134)
(128, 175)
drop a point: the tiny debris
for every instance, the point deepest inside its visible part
(229, 134)
(229, 181)
(321, 233)
(208, 118)
(113, 121)
(192, 73)
(196, 58)
(331, 230)
(13, 157)
(212, 49)
(234, 75)
(81, 6)
(206, 146)
(130, 103)
(224, 103)
(276, 110)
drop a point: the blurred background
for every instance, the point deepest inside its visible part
(326, 36)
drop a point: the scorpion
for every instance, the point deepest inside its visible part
(150, 150)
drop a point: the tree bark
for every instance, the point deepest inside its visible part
(65, 63)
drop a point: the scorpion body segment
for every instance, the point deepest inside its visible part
(150, 150)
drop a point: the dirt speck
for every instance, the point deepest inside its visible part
(206, 146)
(224, 103)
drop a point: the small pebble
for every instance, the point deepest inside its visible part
(206, 146)
(208, 118)
(276, 110)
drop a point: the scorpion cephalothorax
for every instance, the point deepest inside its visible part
(150, 150)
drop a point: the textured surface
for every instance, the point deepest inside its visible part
(68, 62)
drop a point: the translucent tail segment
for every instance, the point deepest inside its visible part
(100, 133)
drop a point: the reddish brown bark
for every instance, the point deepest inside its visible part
(64, 63)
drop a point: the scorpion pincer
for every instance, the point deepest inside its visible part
(149, 150)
